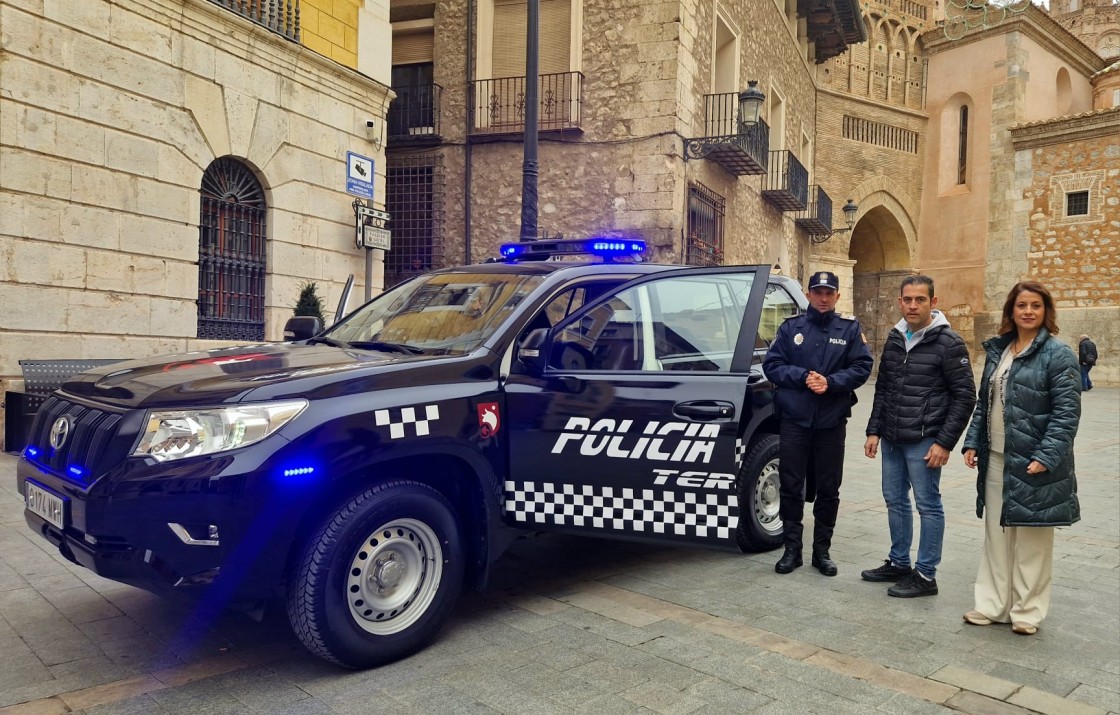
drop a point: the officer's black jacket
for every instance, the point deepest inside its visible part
(928, 392)
(828, 344)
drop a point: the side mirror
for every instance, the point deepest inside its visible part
(302, 327)
(534, 348)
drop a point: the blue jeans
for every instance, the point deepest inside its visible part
(1086, 383)
(904, 467)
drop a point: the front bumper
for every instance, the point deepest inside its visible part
(151, 526)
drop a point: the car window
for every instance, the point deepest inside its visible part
(685, 323)
(439, 313)
(776, 307)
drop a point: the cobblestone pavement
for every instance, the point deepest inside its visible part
(581, 625)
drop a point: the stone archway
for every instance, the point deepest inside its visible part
(881, 252)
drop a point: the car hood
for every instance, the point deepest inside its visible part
(251, 372)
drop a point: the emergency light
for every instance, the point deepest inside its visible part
(605, 248)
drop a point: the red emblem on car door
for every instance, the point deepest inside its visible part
(488, 420)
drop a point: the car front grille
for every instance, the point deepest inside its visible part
(86, 451)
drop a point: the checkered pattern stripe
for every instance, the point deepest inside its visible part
(740, 453)
(407, 417)
(620, 509)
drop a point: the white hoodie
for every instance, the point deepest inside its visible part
(938, 319)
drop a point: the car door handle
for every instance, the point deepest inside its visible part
(755, 377)
(705, 410)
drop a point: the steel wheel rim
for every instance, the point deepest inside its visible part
(768, 497)
(393, 576)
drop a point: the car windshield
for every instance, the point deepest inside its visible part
(436, 314)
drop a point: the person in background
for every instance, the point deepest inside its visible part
(1021, 438)
(1087, 357)
(924, 395)
(816, 362)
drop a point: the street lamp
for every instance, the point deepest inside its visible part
(850, 210)
(750, 104)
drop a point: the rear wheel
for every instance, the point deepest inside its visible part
(759, 489)
(379, 577)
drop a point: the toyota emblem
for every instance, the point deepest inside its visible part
(60, 430)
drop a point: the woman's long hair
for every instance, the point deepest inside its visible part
(1050, 320)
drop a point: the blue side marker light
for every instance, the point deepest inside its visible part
(32, 452)
(298, 471)
(76, 471)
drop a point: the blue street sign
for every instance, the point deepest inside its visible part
(359, 175)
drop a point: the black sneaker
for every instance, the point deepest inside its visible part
(913, 586)
(887, 572)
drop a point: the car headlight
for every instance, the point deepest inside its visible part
(178, 434)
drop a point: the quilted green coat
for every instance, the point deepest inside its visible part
(1041, 413)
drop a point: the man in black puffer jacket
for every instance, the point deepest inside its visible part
(924, 396)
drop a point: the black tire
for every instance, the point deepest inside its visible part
(378, 579)
(758, 486)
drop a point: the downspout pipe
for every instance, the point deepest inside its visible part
(472, 26)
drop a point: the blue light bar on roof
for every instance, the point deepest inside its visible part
(606, 248)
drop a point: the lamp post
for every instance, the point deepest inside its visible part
(529, 168)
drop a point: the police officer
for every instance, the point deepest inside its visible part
(816, 362)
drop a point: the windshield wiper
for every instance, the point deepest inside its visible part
(327, 340)
(387, 347)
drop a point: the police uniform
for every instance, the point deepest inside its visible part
(813, 426)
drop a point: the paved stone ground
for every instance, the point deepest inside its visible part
(580, 625)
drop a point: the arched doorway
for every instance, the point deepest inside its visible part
(882, 257)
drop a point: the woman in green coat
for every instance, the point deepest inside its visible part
(1021, 437)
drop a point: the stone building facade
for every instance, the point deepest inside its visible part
(1094, 22)
(131, 131)
(627, 86)
(1007, 148)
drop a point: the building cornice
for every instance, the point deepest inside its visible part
(1036, 24)
(206, 18)
(1078, 127)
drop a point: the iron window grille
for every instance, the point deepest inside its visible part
(231, 253)
(1077, 203)
(413, 197)
(705, 226)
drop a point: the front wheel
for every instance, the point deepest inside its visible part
(379, 577)
(759, 489)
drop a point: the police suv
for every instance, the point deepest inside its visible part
(365, 474)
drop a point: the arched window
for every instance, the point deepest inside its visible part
(962, 148)
(231, 253)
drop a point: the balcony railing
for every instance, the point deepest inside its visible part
(498, 105)
(414, 114)
(280, 16)
(787, 182)
(738, 149)
(816, 218)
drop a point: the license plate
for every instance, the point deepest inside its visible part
(45, 504)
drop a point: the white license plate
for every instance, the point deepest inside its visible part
(45, 504)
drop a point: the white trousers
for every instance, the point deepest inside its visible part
(1016, 568)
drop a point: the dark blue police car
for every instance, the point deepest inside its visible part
(365, 474)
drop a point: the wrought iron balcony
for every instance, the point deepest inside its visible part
(738, 149)
(816, 218)
(414, 115)
(787, 182)
(280, 16)
(498, 105)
